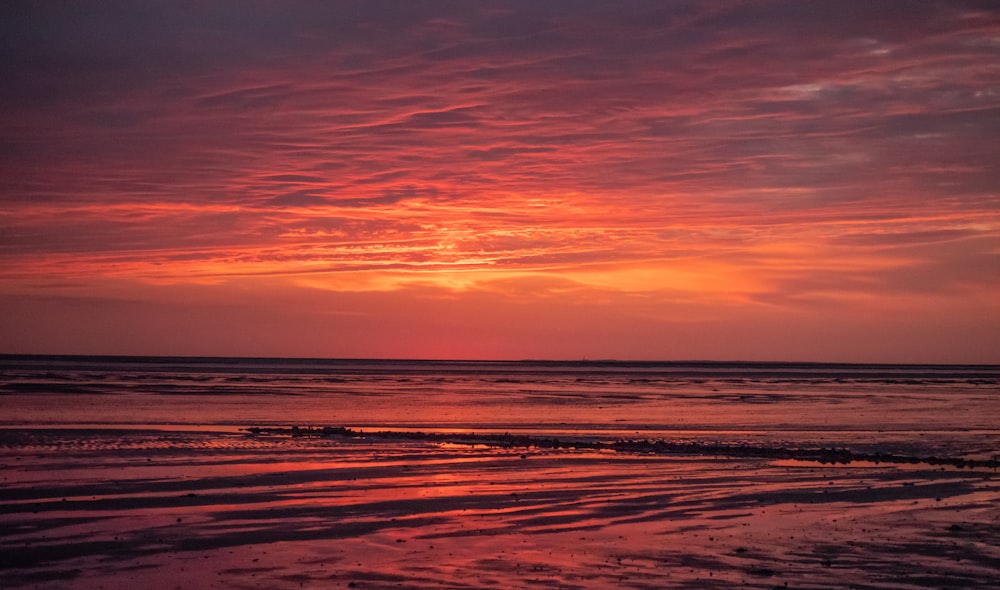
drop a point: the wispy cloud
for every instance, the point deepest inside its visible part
(763, 154)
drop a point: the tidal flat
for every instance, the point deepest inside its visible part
(127, 508)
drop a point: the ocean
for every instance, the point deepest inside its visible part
(951, 410)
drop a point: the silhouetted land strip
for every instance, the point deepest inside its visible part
(639, 446)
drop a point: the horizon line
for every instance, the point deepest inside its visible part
(579, 361)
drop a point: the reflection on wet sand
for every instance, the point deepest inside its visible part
(91, 509)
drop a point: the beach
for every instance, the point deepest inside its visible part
(206, 503)
(115, 509)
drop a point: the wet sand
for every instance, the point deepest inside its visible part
(160, 509)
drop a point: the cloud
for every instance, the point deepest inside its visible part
(299, 198)
(745, 151)
(893, 239)
(294, 178)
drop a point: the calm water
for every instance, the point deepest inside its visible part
(923, 409)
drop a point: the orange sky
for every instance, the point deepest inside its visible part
(636, 180)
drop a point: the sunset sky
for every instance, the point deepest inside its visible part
(785, 180)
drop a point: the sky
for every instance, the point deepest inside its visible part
(773, 180)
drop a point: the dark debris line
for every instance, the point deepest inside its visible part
(637, 446)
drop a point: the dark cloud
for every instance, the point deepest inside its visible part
(294, 178)
(299, 198)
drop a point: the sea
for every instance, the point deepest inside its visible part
(917, 410)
